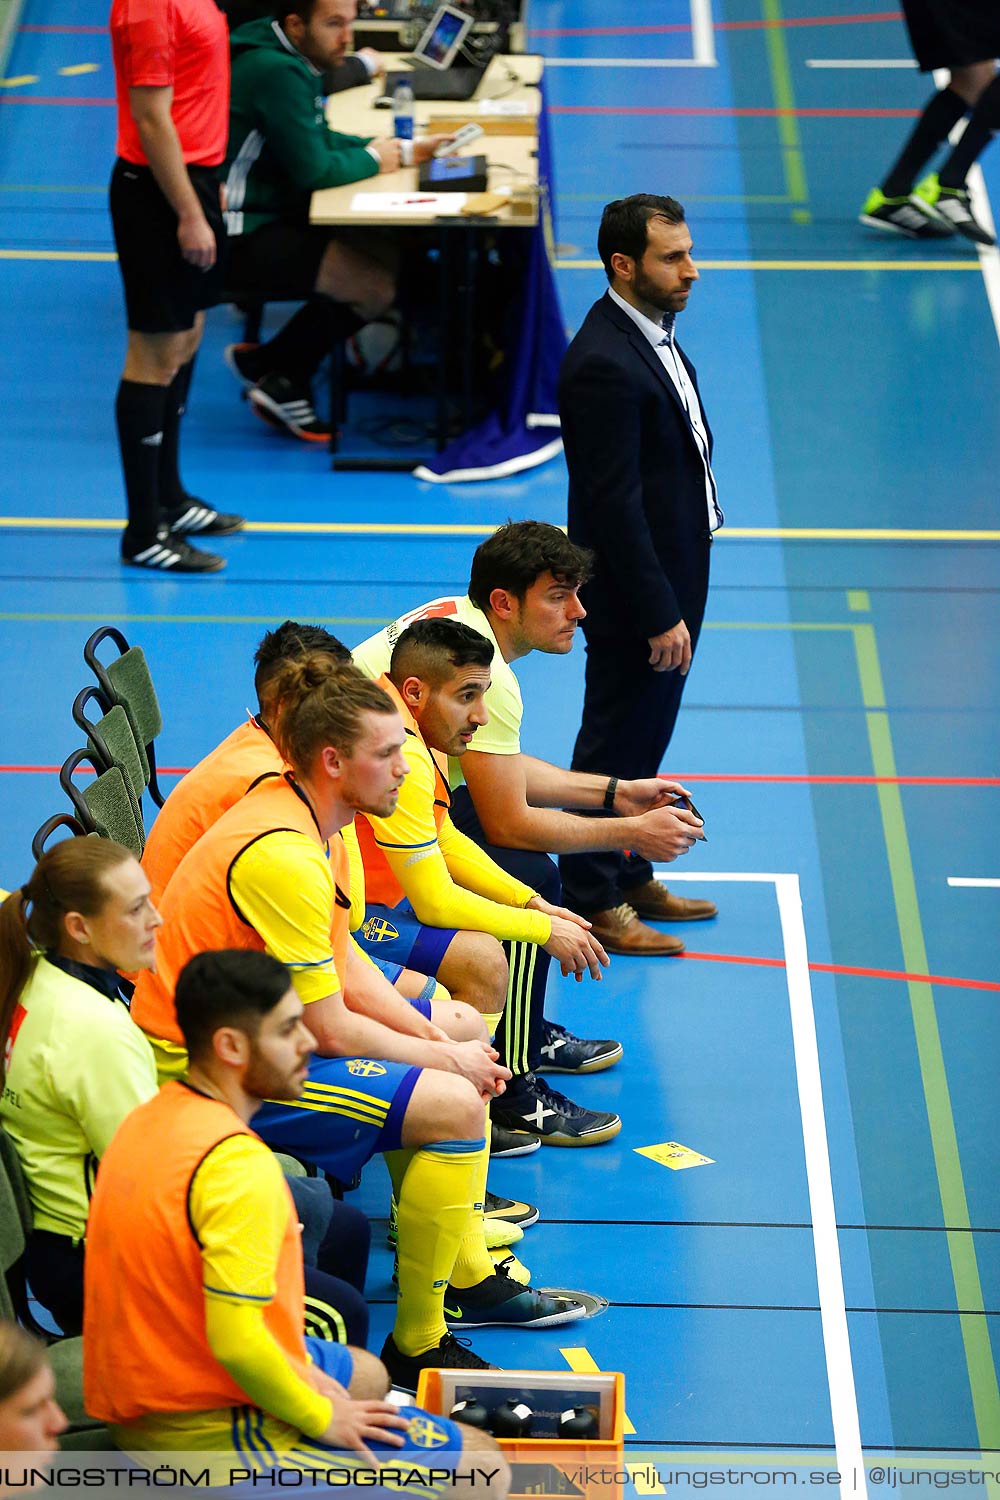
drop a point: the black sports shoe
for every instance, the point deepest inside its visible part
(195, 516)
(562, 1052)
(172, 554)
(244, 361)
(530, 1104)
(501, 1302)
(283, 404)
(954, 207)
(511, 1142)
(451, 1354)
(510, 1210)
(910, 216)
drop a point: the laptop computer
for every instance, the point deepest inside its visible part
(433, 74)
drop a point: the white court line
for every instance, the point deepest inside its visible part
(703, 33)
(971, 880)
(860, 62)
(823, 1214)
(989, 255)
(702, 49)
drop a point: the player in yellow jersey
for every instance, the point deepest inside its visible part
(422, 872)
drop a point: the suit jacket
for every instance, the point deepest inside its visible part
(636, 481)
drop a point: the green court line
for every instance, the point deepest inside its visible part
(933, 1073)
(859, 600)
(784, 98)
(57, 187)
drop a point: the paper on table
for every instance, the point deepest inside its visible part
(408, 203)
(504, 107)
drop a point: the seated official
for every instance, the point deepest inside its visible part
(76, 1065)
(30, 1416)
(204, 1271)
(356, 68)
(280, 152)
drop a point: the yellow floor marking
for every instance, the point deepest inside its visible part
(78, 68)
(643, 1481)
(386, 528)
(858, 600)
(17, 83)
(77, 255)
(582, 1362)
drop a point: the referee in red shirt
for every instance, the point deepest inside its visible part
(171, 62)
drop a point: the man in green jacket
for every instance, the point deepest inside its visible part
(281, 151)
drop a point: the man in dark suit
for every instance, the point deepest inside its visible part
(642, 497)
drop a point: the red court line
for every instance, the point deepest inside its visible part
(947, 980)
(43, 99)
(840, 780)
(882, 15)
(761, 114)
(752, 779)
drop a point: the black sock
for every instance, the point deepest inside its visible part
(943, 110)
(173, 496)
(977, 135)
(140, 414)
(298, 348)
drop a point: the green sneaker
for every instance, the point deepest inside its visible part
(953, 206)
(910, 216)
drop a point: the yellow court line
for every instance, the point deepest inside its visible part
(801, 266)
(58, 255)
(78, 68)
(416, 529)
(595, 265)
(582, 1362)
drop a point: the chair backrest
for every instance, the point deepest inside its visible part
(111, 737)
(15, 1226)
(105, 805)
(126, 680)
(48, 828)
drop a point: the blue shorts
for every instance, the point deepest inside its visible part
(391, 971)
(393, 932)
(351, 1108)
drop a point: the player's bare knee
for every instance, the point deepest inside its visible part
(462, 1022)
(487, 973)
(463, 1117)
(483, 1472)
(369, 1378)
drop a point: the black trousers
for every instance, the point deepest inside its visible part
(629, 712)
(519, 1036)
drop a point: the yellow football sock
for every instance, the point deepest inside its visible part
(492, 1019)
(435, 1197)
(473, 1263)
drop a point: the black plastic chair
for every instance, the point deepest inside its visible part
(126, 681)
(110, 737)
(105, 805)
(48, 828)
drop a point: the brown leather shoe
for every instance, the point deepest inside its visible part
(657, 904)
(620, 931)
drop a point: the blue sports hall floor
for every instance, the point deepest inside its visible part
(829, 1283)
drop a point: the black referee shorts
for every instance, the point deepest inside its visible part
(162, 291)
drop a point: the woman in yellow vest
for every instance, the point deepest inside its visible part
(74, 1064)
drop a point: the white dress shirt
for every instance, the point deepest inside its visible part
(661, 338)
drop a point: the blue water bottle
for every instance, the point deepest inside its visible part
(402, 110)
